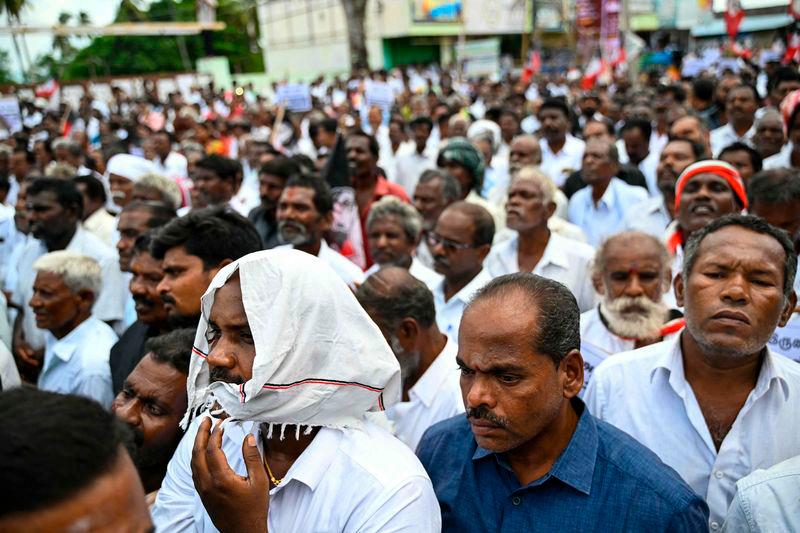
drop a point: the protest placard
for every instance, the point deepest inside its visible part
(294, 96)
(9, 111)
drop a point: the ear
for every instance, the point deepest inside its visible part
(571, 372)
(667, 279)
(597, 283)
(213, 271)
(327, 222)
(407, 333)
(551, 209)
(678, 286)
(788, 309)
(483, 250)
(85, 298)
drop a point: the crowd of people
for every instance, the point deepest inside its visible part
(489, 306)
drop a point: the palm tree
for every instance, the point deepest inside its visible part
(13, 9)
(356, 11)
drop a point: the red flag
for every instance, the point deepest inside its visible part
(593, 71)
(46, 89)
(533, 66)
(733, 17)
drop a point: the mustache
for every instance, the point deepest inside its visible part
(167, 299)
(220, 374)
(483, 413)
(138, 436)
(442, 260)
(144, 300)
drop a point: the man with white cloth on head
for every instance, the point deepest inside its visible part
(122, 173)
(301, 390)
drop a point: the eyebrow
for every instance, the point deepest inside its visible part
(495, 369)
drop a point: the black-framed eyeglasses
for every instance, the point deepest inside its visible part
(434, 239)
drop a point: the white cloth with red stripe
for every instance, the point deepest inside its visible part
(320, 360)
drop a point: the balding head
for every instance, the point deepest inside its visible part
(524, 151)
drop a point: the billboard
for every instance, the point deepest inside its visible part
(436, 10)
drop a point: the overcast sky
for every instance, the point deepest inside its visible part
(45, 13)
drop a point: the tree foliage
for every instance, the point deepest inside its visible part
(111, 55)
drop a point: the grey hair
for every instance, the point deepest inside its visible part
(752, 223)
(170, 192)
(79, 272)
(770, 112)
(69, 145)
(549, 189)
(6, 149)
(451, 188)
(600, 257)
(408, 217)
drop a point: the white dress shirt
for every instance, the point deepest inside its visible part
(650, 216)
(103, 225)
(448, 313)
(563, 260)
(409, 168)
(78, 362)
(598, 343)
(434, 397)
(648, 167)
(417, 269)
(767, 501)
(110, 304)
(9, 238)
(351, 480)
(174, 166)
(601, 220)
(725, 136)
(645, 394)
(782, 159)
(558, 166)
(346, 269)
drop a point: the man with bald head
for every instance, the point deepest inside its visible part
(600, 208)
(535, 247)
(524, 151)
(459, 242)
(693, 128)
(631, 274)
(402, 307)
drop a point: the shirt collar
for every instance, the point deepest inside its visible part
(428, 384)
(609, 196)
(553, 254)
(315, 460)
(381, 187)
(575, 465)
(669, 365)
(64, 347)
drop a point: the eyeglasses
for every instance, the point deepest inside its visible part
(434, 239)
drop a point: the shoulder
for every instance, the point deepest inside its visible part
(575, 249)
(449, 439)
(633, 364)
(93, 246)
(588, 318)
(97, 336)
(380, 456)
(630, 192)
(629, 459)
(785, 472)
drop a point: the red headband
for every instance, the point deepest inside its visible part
(718, 168)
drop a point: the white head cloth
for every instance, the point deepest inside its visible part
(320, 360)
(129, 166)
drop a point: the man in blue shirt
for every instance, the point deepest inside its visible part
(528, 456)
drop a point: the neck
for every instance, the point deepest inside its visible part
(281, 454)
(710, 367)
(557, 144)
(431, 343)
(533, 241)
(454, 284)
(741, 127)
(89, 212)
(364, 182)
(153, 477)
(535, 458)
(669, 203)
(77, 320)
(60, 242)
(312, 247)
(599, 189)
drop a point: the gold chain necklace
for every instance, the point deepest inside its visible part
(275, 481)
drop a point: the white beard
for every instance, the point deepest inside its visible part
(638, 325)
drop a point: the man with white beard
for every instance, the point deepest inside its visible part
(631, 274)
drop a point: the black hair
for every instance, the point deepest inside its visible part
(29, 156)
(170, 136)
(329, 124)
(283, 167)
(81, 443)
(5, 184)
(748, 86)
(420, 121)
(640, 124)
(752, 223)
(698, 150)
(605, 122)
(678, 93)
(774, 186)
(224, 167)
(558, 325)
(160, 212)
(703, 89)
(556, 103)
(323, 199)
(755, 158)
(144, 241)
(784, 73)
(213, 234)
(66, 192)
(374, 147)
(173, 348)
(94, 187)
(411, 299)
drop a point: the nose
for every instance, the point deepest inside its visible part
(163, 286)
(221, 355)
(129, 412)
(382, 241)
(479, 392)
(735, 290)
(34, 301)
(634, 287)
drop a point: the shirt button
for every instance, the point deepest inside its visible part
(715, 525)
(516, 500)
(718, 474)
